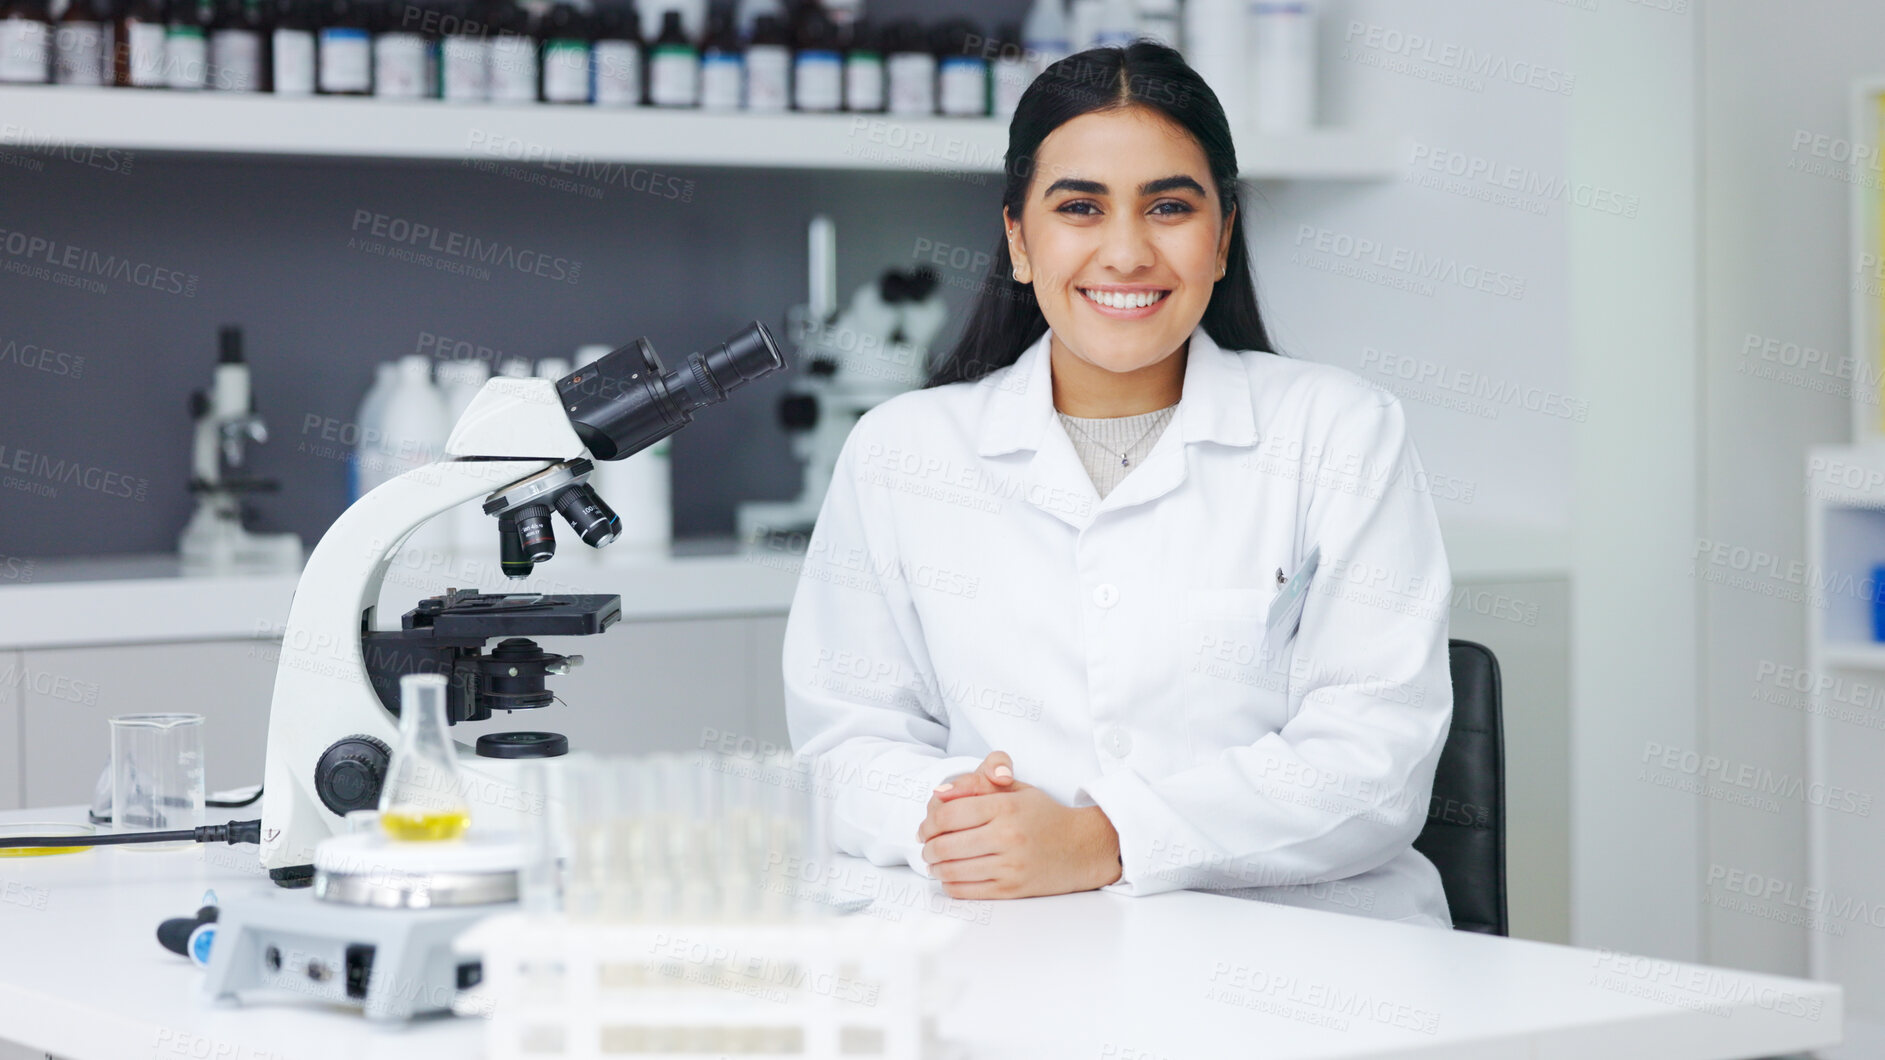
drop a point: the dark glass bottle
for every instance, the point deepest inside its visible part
(25, 42)
(564, 54)
(817, 64)
(910, 68)
(961, 71)
(291, 63)
(673, 65)
(186, 45)
(722, 61)
(513, 54)
(137, 44)
(235, 47)
(344, 54)
(619, 61)
(401, 50)
(78, 44)
(768, 66)
(464, 52)
(864, 68)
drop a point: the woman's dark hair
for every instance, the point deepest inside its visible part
(1007, 319)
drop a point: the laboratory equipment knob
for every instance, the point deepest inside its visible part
(798, 412)
(349, 775)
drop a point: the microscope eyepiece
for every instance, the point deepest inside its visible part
(628, 400)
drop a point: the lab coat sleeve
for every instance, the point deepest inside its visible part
(858, 700)
(1344, 785)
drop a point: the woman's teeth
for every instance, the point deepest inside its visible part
(1121, 300)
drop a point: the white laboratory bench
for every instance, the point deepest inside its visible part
(1177, 975)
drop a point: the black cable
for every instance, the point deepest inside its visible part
(214, 804)
(232, 833)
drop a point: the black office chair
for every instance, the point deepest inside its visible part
(1465, 832)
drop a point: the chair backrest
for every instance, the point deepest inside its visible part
(1465, 832)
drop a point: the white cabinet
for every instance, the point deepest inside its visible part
(1840, 693)
(10, 743)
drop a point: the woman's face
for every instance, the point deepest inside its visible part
(1122, 236)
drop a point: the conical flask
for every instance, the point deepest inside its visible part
(423, 798)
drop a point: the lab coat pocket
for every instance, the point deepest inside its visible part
(1235, 690)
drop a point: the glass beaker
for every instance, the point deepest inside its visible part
(423, 798)
(156, 774)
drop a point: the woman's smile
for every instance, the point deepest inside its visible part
(1124, 302)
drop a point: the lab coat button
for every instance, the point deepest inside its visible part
(1106, 595)
(1118, 742)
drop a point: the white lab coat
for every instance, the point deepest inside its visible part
(966, 590)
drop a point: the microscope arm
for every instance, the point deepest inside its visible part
(514, 429)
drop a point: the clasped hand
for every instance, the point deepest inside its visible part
(988, 835)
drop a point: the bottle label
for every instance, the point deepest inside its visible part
(235, 60)
(293, 59)
(144, 45)
(768, 78)
(23, 50)
(399, 65)
(617, 73)
(186, 57)
(963, 86)
(864, 83)
(673, 77)
(912, 83)
(818, 81)
(513, 76)
(464, 69)
(720, 77)
(78, 53)
(566, 71)
(346, 60)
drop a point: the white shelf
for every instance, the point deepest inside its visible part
(238, 124)
(1854, 656)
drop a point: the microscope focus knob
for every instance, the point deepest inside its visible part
(350, 773)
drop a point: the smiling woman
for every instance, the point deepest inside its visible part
(1060, 626)
(1138, 116)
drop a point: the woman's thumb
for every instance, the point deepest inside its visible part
(999, 768)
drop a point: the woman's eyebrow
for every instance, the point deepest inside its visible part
(1153, 187)
(1083, 187)
(1150, 187)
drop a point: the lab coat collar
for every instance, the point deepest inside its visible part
(1214, 404)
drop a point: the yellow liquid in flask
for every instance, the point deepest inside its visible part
(425, 825)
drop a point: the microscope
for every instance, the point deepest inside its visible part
(854, 360)
(215, 541)
(527, 447)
